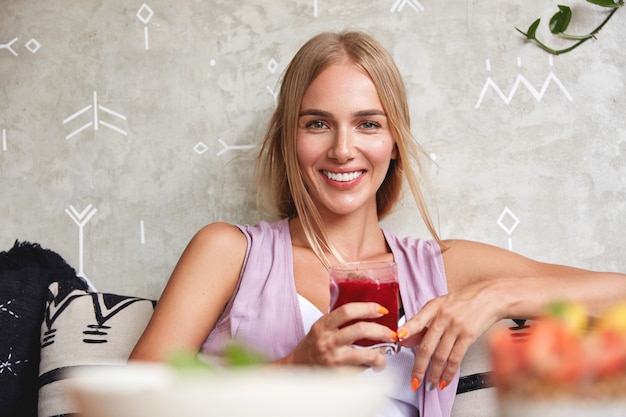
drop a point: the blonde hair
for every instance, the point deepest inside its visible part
(280, 186)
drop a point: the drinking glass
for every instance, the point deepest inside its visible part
(371, 281)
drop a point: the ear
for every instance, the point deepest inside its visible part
(394, 152)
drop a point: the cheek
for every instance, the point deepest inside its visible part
(384, 150)
(306, 154)
(306, 160)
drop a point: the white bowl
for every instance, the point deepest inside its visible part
(150, 390)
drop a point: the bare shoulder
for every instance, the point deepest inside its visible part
(220, 236)
(199, 288)
(216, 249)
(225, 233)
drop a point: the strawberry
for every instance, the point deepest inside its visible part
(607, 349)
(506, 356)
(554, 351)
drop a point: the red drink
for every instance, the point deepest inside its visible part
(371, 282)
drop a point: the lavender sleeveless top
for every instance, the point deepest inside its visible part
(264, 311)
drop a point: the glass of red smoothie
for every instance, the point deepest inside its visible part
(367, 282)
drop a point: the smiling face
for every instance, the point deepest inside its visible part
(344, 145)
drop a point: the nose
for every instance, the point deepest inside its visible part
(342, 149)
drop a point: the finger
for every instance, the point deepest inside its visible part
(413, 330)
(439, 361)
(424, 353)
(361, 330)
(454, 361)
(334, 347)
(355, 311)
(371, 358)
(410, 341)
(349, 356)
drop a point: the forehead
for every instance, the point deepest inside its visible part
(342, 84)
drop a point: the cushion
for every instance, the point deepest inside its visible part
(83, 328)
(476, 395)
(26, 271)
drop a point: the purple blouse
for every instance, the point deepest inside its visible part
(264, 312)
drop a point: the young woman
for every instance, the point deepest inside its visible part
(337, 153)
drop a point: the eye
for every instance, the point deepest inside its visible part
(369, 125)
(316, 124)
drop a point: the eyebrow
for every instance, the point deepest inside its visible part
(360, 113)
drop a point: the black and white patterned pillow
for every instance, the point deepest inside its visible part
(476, 394)
(26, 271)
(84, 328)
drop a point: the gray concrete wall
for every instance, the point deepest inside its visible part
(126, 126)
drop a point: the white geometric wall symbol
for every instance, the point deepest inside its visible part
(32, 45)
(272, 65)
(145, 14)
(232, 147)
(521, 80)
(8, 46)
(200, 148)
(512, 220)
(274, 93)
(315, 8)
(398, 5)
(4, 140)
(142, 232)
(96, 121)
(81, 220)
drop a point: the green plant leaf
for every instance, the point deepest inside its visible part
(237, 355)
(560, 20)
(187, 361)
(532, 29)
(604, 3)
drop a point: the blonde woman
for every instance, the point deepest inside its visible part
(337, 153)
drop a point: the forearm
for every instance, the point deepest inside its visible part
(528, 297)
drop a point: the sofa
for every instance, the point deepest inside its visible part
(51, 322)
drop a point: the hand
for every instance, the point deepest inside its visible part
(443, 331)
(329, 342)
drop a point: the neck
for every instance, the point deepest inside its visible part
(356, 237)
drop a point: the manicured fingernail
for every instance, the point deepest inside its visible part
(382, 310)
(402, 333)
(415, 384)
(394, 335)
(442, 385)
(429, 386)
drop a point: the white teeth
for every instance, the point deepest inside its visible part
(342, 177)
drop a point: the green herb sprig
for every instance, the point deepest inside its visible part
(561, 20)
(235, 356)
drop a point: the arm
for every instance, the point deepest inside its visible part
(201, 285)
(197, 292)
(487, 284)
(523, 287)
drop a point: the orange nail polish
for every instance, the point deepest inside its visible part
(415, 384)
(394, 335)
(402, 333)
(442, 385)
(382, 310)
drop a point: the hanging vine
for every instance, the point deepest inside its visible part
(560, 22)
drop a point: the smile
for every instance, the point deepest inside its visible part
(343, 177)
